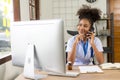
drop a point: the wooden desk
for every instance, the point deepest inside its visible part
(107, 75)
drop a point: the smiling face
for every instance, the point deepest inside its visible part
(84, 26)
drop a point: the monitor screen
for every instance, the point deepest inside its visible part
(48, 39)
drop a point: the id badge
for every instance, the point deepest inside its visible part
(91, 59)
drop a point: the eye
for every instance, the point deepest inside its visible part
(85, 26)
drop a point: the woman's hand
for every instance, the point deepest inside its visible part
(79, 37)
(91, 36)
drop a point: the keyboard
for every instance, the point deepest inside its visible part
(67, 74)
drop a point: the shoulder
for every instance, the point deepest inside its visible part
(72, 39)
(97, 40)
(98, 44)
(70, 43)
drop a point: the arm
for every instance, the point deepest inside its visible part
(98, 54)
(72, 53)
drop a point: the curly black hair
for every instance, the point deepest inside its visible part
(92, 14)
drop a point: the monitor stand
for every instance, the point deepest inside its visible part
(29, 67)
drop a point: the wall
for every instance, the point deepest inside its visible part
(9, 72)
(2, 71)
(24, 10)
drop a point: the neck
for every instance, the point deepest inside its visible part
(84, 39)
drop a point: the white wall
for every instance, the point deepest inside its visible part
(2, 71)
(24, 10)
(46, 7)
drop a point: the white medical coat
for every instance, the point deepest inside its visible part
(81, 58)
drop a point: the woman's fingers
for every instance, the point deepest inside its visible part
(90, 34)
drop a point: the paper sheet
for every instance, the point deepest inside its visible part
(90, 69)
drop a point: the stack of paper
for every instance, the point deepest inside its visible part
(90, 69)
(110, 66)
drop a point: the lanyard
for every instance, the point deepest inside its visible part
(85, 47)
(91, 52)
(91, 58)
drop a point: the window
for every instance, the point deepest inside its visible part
(6, 16)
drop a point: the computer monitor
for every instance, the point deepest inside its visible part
(47, 37)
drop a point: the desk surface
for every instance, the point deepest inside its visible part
(107, 75)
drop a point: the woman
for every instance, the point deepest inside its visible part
(82, 47)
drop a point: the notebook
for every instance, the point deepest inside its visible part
(110, 66)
